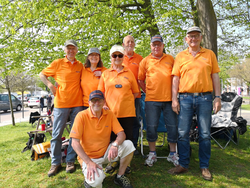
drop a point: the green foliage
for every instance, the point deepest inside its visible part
(226, 62)
(241, 71)
(33, 32)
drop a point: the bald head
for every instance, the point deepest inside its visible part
(128, 44)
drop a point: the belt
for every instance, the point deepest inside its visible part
(196, 94)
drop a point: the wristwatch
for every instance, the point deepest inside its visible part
(218, 97)
(115, 144)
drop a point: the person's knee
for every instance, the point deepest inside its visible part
(98, 179)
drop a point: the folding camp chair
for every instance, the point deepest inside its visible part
(161, 127)
(223, 123)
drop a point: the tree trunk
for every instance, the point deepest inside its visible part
(149, 15)
(22, 105)
(208, 24)
(11, 107)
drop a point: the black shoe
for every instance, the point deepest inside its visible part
(123, 181)
(86, 185)
(128, 170)
(110, 168)
(136, 152)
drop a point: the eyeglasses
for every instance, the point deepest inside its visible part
(115, 56)
(156, 45)
(96, 100)
(193, 36)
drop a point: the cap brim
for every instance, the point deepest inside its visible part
(70, 44)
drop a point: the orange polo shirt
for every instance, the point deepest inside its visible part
(119, 100)
(93, 133)
(89, 82)
(67, 75)
(133, 64)
(195, 72)
(157, 73)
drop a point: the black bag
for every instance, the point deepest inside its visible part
(242, 124)
(40, 138)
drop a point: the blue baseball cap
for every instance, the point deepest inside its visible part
(96, 94)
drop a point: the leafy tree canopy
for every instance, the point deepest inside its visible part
(32, 33)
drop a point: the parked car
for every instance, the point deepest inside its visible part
(5, 104)
(35, 102)
(25, 97)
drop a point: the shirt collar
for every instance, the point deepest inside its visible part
(201, 51)
(104, 113)
(67, 61)
(123, 70)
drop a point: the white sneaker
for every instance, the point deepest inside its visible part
(151, 159)
(173, 159)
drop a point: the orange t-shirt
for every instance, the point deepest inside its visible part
(89, 82)
(67, 75)
(195, 72)
(119, 100)
(157, 73)
(133, 64)
(93, 133)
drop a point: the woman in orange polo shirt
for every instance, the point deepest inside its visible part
(91, 74)
(120, 87)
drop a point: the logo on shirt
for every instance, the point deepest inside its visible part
(73, 132)
(134, 63)
(78, 71)
(125, 77)
(204, 58)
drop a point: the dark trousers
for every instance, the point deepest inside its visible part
(127, 125)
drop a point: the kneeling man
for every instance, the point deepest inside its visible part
(91, 141)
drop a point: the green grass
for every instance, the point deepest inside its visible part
(246, 97)
(230, 167)
(245, 106)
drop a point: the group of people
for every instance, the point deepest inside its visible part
(104, 105)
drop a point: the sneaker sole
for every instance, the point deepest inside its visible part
(169, 160)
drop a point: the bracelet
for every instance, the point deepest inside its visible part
(218, 97)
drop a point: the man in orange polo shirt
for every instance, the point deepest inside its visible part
(156, 69)
(132, 60)
(91, 141)
(195, 77)
(67, 102)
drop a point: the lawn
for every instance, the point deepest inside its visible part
(230, 167)
(245, 106)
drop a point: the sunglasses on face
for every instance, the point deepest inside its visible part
(95, 100)
(115, 55)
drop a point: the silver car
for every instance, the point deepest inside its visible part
(35, 102)
(5, 104)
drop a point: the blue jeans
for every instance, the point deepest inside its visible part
(60, 119)
(153, 112)
(137, 125)
(202, 106)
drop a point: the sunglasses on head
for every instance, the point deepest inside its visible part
(115, 55)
